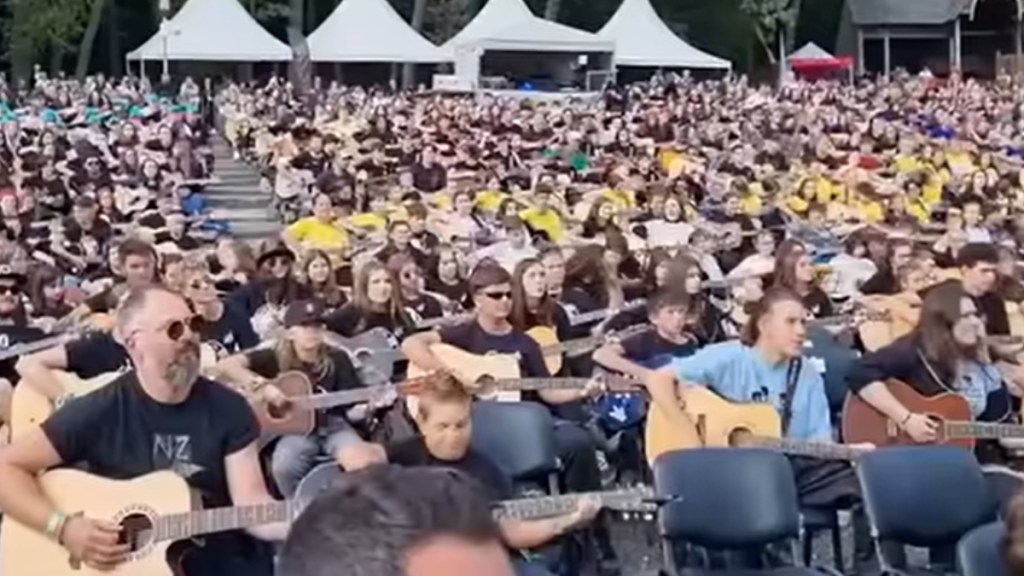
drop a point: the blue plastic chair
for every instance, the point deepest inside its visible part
(723, 500)
(979, 554)
(519, 438)
(922, 496)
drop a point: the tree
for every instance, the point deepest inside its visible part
(93, 28)
(38, 25)
(769, 18)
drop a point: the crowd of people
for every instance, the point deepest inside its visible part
(681, 234)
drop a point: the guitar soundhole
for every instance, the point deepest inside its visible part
(136, 531)
(740, 437)
(279, 411)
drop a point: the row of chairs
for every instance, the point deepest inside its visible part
(934, 497)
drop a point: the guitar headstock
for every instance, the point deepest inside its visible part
(637, 503)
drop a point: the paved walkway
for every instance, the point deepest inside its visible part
(238, 198)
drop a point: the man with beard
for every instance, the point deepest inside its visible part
(159, 416)
(14, 330)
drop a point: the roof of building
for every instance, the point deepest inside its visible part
(907, 12)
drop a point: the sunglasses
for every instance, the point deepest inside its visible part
(176, 329)
(498, 295)
(8, 289)
(200, 283)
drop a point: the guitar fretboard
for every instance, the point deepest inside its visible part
(587, 317)
(549, 506)
(983, 430)
(200, 522)
(822, 450)
(342, 397)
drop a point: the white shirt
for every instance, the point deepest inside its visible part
(848, 273)
(507, 255)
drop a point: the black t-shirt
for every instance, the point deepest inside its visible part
(232, 331)
(413, 452)
(11, 335)
(191, 438)
(120, 433)
(350, 320)
(883, 282)
(100, 231)
(95, 354)
(473, 339)
(336, 374)
(818, 303)
(424, 307)
(649, 349)
(458, 292)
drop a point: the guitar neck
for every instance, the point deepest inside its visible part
(821, 450)
(342, 397)
(201, 522)
(982, 430)
(540, 383)
(550, 506)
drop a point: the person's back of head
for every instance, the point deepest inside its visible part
(392, 521)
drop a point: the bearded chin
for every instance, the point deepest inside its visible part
(183, 371)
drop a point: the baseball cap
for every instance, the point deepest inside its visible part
(303, 313)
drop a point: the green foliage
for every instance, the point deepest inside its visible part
(444, 19)
(769, 18)
(53, 23)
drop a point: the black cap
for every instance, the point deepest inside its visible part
(303, 313)
(8, 272)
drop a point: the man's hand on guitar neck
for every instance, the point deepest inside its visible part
(93, 542)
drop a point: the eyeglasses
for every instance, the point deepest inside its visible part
(498, 295)
(280, 261)
(9, 289)
(176, 329)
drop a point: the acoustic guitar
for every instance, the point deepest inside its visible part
(641, 500)
(155, 512)
(373, 352)
(29, 407)
(721, 423)
(553, 350)
(298, 417)
(956, 425)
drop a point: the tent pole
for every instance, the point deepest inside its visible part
(886, 53)
(860, 51)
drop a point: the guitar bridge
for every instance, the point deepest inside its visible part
(702, 428)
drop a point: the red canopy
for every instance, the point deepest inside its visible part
(821, 64)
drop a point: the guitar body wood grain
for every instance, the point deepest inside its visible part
(292, 422)
(862, 423)
(29, 408)
(473, 366)
(717, 422)
(547, 339)
(24, 552)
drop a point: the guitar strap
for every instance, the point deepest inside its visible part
(792, 376)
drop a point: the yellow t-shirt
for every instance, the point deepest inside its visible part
(905, 164)
(548, 221)
(370, 220)
(919, 210)
(490, 200)
(751, 204)
(316, 233)
(621, 198)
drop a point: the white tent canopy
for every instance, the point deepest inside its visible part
(213, 30)
(643, 39)
(510, 25)
(369, 31)
(811, 51)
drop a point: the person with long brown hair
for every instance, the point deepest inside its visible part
(407, 276)
(1012, 546)
(376, 303)
(589, 285)
(532, 304)
(320, 280)
(945, 353)
(795, 271)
